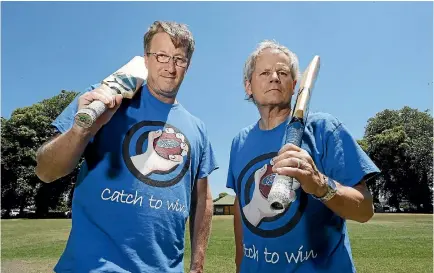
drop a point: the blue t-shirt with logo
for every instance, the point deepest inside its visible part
(307, 237)
(133, 193)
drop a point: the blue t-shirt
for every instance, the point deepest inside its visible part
(133, 193)
(307, 237)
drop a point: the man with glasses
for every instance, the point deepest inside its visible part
(145, 169)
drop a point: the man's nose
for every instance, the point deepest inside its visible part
(171, 66)
(274, 77)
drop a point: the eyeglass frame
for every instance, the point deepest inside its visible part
(175, 58)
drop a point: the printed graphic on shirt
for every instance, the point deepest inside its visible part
(156, 153)
(255, 208)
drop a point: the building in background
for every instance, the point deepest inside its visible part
(224, 205)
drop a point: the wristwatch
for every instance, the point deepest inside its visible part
(331, 190)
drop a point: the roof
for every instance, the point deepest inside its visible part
(228, 200)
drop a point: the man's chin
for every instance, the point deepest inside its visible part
(168, 93)
(276, 102)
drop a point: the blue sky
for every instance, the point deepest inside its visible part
(374, 55)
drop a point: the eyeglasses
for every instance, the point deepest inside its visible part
(163, 58)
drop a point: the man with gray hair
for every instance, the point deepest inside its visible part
(311, 234)
(145, 170)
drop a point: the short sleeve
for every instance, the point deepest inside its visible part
(65, 120)
(230, 182)
(208, 162)
(344, 160)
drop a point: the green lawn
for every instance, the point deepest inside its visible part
(389, 243)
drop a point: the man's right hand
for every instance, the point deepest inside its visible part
(103, 94)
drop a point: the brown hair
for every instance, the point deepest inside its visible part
(179, 34)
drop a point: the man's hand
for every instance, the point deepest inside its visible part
(295, 162)
(354, 203)
(103, 94)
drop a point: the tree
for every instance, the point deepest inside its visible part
(221, 195)
(8, 193)
(26, 130)
(400, 143)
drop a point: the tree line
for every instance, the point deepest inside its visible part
(399, 141)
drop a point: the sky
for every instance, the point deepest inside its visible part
(374, 55)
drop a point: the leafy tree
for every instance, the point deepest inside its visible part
(26, 130)
(221, 195)
(8, 194)
(400, 143)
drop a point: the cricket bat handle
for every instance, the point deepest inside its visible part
(87, 116)
(280, 196)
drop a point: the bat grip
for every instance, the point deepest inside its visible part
(87, 116)
(280, 196)
(294, 132)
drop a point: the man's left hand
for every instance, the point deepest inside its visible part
(295, 162)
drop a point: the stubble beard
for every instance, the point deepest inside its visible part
(169, 94)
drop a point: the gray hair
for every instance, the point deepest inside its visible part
(179, 34)
(249, 66)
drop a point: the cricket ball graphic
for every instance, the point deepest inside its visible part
(167, 144)
(266, 181)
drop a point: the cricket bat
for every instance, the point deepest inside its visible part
(280, 195)
(126, 81)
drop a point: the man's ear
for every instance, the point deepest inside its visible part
(186, 69)
(294, 84)
(248, 88)
(188, 66)
(146, 60)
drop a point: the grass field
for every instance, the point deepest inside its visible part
(389, 243)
